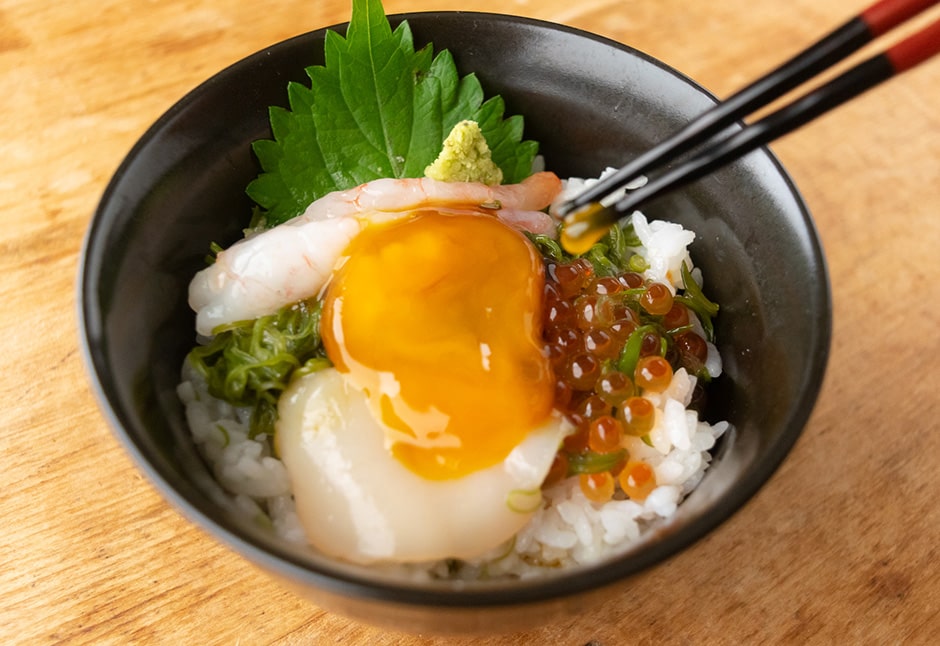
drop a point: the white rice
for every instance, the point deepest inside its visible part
(245, 468)
(568, 530)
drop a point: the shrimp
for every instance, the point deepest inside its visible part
(394, 195)
(260, 274)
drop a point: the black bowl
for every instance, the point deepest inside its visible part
(591, 103)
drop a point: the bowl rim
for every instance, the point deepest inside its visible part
(513, 593)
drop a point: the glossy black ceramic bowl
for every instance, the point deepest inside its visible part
(591, 103)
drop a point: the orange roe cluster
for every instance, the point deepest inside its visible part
(610, 339)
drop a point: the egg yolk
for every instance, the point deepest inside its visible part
(436, 319)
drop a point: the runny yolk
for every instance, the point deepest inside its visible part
(437, 319)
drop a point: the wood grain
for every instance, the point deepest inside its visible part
(841, 545)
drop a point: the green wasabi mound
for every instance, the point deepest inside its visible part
(466, 157)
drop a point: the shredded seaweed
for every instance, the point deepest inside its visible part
(250, 363)
(593, 462)
(609, 255)
(695, 300)
(630, 354)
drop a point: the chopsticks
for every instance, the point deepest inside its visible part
(586, 220)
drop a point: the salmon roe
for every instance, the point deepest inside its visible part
(653, 373)
(610, 339)
(637, 480)
(657, 299)
(597, 487)
(637, 416)
(604, 434)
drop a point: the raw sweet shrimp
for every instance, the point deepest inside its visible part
(393, 195)
(262, 273)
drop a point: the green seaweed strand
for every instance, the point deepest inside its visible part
(250, 363)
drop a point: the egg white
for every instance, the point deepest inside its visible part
(356, 501)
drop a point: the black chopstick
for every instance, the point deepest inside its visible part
(586, 220)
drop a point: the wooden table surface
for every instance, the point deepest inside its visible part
(841, 546)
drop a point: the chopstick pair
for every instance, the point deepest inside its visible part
(586, 220)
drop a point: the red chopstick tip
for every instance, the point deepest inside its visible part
(888, 14)
(915, 49)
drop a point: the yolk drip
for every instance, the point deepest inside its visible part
(436, 318)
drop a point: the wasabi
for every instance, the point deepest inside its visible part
(466, 157)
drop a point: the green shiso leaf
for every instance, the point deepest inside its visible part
(376, 108)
